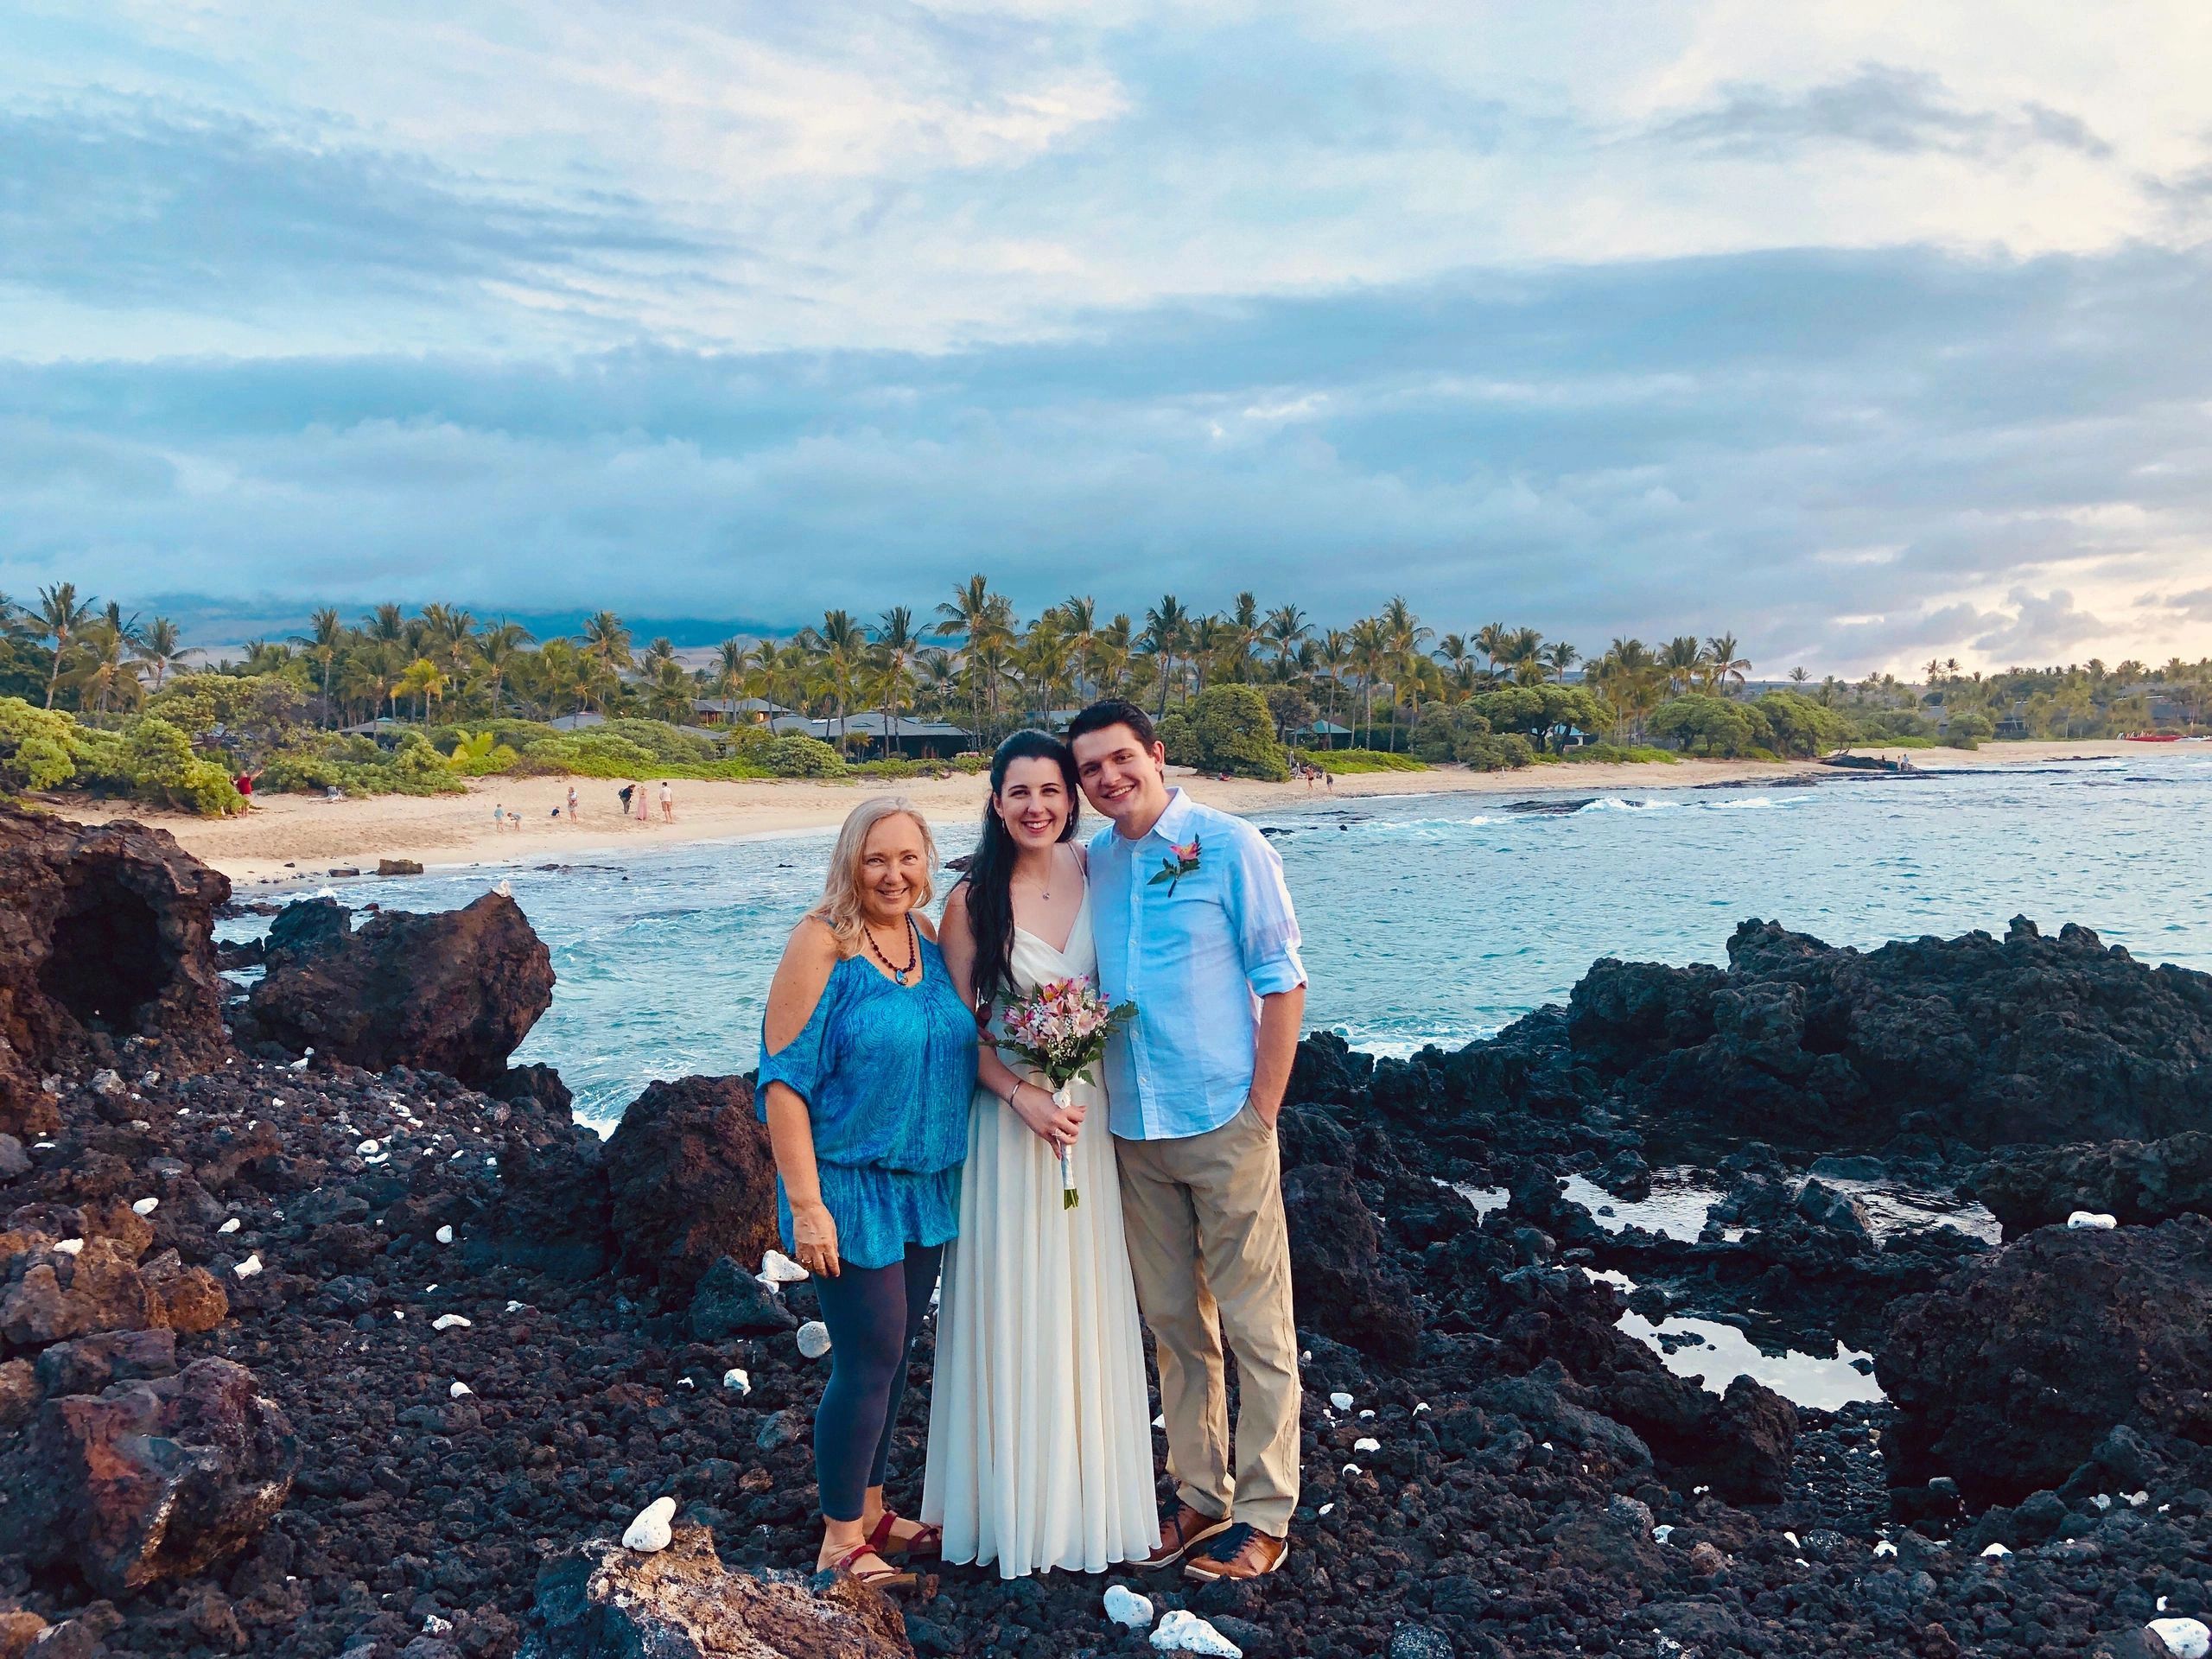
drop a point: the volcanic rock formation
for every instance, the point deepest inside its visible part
(693, 1179)
(455, 991)
(2008, 1373)
(2136, 1182)
(106, 935)
(682, 1602)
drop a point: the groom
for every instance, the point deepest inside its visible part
(1195, 927)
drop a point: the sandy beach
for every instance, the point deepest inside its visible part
(294, 837)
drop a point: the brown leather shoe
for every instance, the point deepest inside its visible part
(1182, 1530)
(1237, 1552)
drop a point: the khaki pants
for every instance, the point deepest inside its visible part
(1211, 1258)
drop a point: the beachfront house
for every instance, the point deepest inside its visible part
(736, 711)
(1321, 734)
(915, 738)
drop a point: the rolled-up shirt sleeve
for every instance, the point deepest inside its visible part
(1261, 913)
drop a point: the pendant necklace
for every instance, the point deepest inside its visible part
(913, 952)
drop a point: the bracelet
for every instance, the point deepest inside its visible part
(1012, 1095)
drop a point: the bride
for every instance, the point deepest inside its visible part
(1040, 1443)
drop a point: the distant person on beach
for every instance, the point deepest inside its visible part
(498, 815)
(667, 802)
(867, 1062)
(645, 812)
(625, 793)
(572, 803)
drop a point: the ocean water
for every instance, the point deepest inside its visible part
(1434, 918)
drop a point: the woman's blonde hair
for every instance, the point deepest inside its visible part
(840, 905)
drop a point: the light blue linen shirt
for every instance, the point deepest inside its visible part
(1195, 961)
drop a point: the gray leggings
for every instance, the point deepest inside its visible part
(874, 1315)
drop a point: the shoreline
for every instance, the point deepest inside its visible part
(293, 838)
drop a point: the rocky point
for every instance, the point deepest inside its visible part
(397, 1355)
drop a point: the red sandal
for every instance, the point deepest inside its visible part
(927, 1541)
(887, 1580)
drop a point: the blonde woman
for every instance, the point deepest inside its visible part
(867, 1060)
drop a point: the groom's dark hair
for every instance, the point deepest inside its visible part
(1113, 711)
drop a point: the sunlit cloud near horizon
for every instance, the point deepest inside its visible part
(1868, 333)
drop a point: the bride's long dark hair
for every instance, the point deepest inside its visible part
(990, 870)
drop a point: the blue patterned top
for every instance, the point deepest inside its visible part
(886, 1072)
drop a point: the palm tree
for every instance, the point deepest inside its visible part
(1799, 676)
(1491, 639)
(605, 649)
(1211, 639)
(892, 655)
(1165, 626)
(1369, 658)
(971, 615)
(426, 681)
(324, 639)
(387, 623)
(449, 632)
(1722, 662)
(1682, 659)
(496, 648)
(733, 664)
(1286, 629)
(1078, 624)
(159, 645)
(60, 619)
(1559, 656)
(105, 668)
(840, 647)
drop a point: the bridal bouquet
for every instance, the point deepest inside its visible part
(1061, 1029)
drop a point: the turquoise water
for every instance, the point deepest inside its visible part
(1441, 918)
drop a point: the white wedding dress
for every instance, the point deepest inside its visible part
(1040, 1434)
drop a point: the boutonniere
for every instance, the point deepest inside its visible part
(1172, 870)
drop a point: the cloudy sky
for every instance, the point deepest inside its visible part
(1870, 331)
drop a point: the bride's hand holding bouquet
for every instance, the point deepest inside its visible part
(1060, 1031)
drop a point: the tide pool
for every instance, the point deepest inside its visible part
(1433, 919)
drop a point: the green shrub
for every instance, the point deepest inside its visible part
(795, 755)
(359, 766)
(479, 755)
(1619, 754)
(37, 747)
(1501, 751)
(1180, 738)
(1235, 733)
(1967, 731)
(1346, 761)
(896, 765)
(1714, 725)
(163, 769)
(1535, 711)
(1801, 725)
(260, 710)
